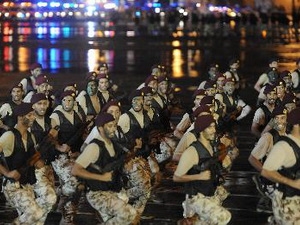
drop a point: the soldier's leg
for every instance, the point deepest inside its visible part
(139, 183)
(112, 209)
(286, 210)
(46, 196)
(69, 184)
(210, 210)
(23, 199)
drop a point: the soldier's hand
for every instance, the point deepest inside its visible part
(297, 184)
(14, 174)
(138, 143)
(205, 175)
(63, 148)
(107, 176)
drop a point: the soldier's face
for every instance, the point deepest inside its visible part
(40, 107)
(68, 103)
(148, 99)
(163, 87)
(17, 94)
(43, 88)
(115, 112)
(110, 129)
(153, 84)
(197, 100)
(229, 88)
(28, 119)
(137, 103)
(210, 91)
(91, 88)
(103, 84)
(36, 72)
(210, 132)
(280, 122)
(271, 97)
(280, 91)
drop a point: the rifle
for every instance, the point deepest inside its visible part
(78, 135)
(234, 114)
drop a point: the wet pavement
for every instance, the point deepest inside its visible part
(130, 61)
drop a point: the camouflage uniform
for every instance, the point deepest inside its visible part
(285, 210)
(139, 182)
(112, 207)
(205, 206)
(31, 209)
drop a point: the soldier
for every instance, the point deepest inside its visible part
(71, 128)
(103, 89)
(234, 65)
(7, 117)
(104, 184)
(197, 169)
(296, 78)
(42, 86)
(282, 167)
(213, 71)
(187, 118)
(24, 187)
(29, 82)
(261, 151)
(263, 114)
(89, 100)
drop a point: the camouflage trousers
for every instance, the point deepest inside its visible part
(69, 185)
(112, 206)
(32, 202)
(62, 167)
(285, 210)
(209, 209)
(138, 187)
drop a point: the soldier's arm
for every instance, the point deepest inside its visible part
(186, 162)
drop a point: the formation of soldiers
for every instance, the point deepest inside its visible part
(57, 148)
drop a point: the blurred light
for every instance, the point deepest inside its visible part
(54, 4)
(176, 64)
(110, 6)
(42, 4)
(92, 58)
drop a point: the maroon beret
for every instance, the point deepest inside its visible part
(220, 75)
(201, 109)
(279, 82)
(207, 100)
(38, 97)
(284, 74)
(91, 74)
(279, 110)
(162, 78)
(289, 98)
(105, 65)
(231, 79)
(294, 116)
(149, 79)
(102, 75)
(109, 104)
(269, 88)
(209, 84)
(35, 65)
(19, 85)
(23, 109)
(202, 122)
(147, 90)
(198, 92)
(41, 79)
(68, 93)
(103, 118)
(136, 93)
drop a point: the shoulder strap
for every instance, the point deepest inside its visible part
(295, 147)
